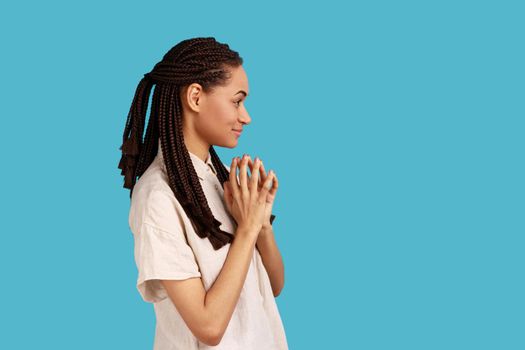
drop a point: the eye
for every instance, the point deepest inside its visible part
(238, 102)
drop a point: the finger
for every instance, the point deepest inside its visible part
(227, 189)
(262, 173)
(234, 185)
(266, 187)
(273, 189)
(275, 185)
(259, 180)
(254, 179)
(250, 166)
(243, 176)
(227, 194)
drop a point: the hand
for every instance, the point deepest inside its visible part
(244, 199)
(271, 194)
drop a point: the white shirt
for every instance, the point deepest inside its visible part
(167, 247)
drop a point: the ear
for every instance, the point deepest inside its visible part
(192, 96)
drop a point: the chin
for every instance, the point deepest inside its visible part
(229, 144)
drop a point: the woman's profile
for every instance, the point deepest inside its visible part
(204, 246)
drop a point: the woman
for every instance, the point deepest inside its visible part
(204, 245)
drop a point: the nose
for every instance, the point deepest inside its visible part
(244, 117)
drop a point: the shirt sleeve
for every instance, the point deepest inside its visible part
(161, 251)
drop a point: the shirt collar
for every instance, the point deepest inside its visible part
(201, 167)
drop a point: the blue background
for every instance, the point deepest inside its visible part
(396, 130)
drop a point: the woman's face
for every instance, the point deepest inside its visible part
(219, 116)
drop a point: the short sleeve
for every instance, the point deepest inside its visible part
(160, 253)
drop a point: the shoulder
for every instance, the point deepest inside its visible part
(154, 203)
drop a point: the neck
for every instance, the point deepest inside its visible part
(195, 145)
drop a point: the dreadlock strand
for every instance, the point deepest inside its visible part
(150, 140)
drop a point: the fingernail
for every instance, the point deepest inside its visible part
(256, 159)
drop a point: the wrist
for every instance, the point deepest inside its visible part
(248, 230)
(266, 230)
(267, 227)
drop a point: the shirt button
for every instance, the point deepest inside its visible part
(216, 187)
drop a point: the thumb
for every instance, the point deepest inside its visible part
(227, 195)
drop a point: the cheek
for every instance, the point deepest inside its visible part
(218, 118)
(224, 114)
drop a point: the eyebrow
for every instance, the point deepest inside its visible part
(242, 91)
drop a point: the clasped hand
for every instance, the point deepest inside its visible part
(250, 198)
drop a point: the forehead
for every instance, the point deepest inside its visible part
(238, 79)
